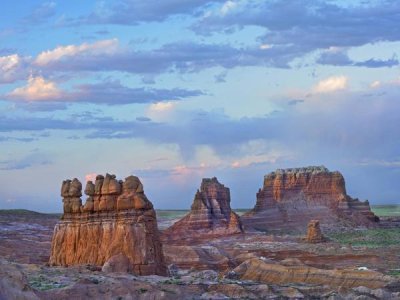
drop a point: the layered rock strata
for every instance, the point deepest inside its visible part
(116, 220)
(291, 198)
(210, 214)
(272, 273)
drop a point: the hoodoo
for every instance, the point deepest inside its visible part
(210, 214)
(116, 221)
(290, 198)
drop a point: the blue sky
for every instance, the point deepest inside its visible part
(173, 91)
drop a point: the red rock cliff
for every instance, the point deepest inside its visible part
(293, 197)
(210, 213)
(117, 219)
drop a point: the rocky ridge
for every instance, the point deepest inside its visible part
(116, 220)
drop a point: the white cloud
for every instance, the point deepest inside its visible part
(331, 84)
(9, 67)
(375, 84)
(37, 89)
(228, 6)
(265, 46)
(162, 106)
(162, 111)
(8, 63)
(100, 47)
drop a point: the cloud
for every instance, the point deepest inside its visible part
(183, 57)
(326, 126)
(90, 177)
(10, 68)
(133, 12)
(37, 89)
(305, 26)
(331, 84)
(31, 160)
(339, 57)
(83, 50)
(295, 101)
(41, 13)
(108, 92)
(161, 106)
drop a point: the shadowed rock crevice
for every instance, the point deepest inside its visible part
(117, 220)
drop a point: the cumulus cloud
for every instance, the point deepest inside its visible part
(84, 50)
(37, 89)
(331, 84)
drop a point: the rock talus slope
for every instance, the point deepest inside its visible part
(116, 220)
(290, 198)
(210, 214)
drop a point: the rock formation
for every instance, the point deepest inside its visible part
(291, 198)
(117, 220)
(272, 273)
(210, 213)
(314, 234)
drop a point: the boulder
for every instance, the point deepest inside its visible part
(117, 263)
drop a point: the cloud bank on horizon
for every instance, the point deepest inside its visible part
(180, 90)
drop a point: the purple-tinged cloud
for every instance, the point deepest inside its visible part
(133, 12)
(39, 90)
(305, 26)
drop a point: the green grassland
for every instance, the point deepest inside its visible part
(370, 238)
(386, 210)
(179, 213)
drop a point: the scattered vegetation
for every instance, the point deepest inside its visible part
(386, 210)
(173, 281)
(371, 238)
(394, 272)
(43, 283)
(171, 214)
(142, 290)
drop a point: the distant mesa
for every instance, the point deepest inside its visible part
(210, 214)
(290, 198)
(117, 222)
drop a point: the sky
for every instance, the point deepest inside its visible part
(173, 91)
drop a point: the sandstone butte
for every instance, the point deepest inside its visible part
(117, 222)
(210, 214)
(290, 198)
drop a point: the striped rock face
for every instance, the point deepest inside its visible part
(290, 198)
(117, 220)
(210, 214)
